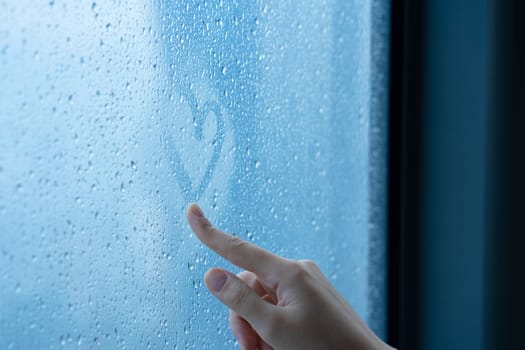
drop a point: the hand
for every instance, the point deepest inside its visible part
(279, 303)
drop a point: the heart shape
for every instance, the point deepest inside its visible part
(200, 116)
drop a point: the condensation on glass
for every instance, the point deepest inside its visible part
(115, 115)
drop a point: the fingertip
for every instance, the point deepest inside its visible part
(194, 211)
(215, 279)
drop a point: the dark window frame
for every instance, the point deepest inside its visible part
(505, 239)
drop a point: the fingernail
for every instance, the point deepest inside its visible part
(217, 281)
(196, 211)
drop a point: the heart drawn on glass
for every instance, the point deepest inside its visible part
(193, 189)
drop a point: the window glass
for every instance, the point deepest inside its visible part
(115, 115)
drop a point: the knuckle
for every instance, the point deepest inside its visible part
(210, 228)
(298, 270)
(206, 224)
(308, 263)
(243, 274)
(239, 296)
(247, 277)
(235, 245)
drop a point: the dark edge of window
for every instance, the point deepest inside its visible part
(404, 173)
(504, 267)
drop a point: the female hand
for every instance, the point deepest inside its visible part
(279, 303)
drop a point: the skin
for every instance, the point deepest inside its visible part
(279, 303)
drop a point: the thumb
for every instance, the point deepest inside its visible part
(236, 294)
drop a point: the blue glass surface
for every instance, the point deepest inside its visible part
(115, 115)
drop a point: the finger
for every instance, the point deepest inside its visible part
(243, 331)
(238, 252)
(263, 345)
(240, 298)
(253, 282)
(245, 334)
(251, 279)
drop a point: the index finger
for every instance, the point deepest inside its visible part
(239, 252)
